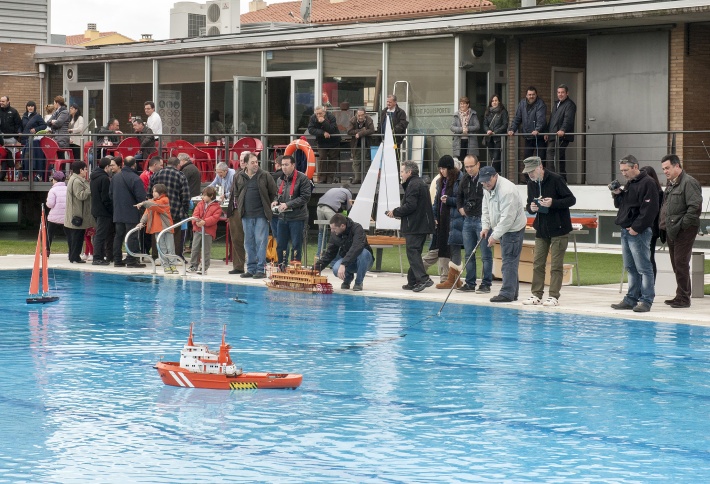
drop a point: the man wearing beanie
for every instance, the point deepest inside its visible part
(549, 199)
(503, 220)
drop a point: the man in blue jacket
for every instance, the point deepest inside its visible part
(638, 206)
(530, 119)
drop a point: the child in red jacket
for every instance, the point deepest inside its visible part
(208, 213)
(157, 218)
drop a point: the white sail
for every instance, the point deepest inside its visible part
(388, 196)
(384, 167)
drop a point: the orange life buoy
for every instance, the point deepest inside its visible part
(308, 151)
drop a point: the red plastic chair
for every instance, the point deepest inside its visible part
(253, 145)
(201, 159)
(87, 147)
(51, 151)
(127, 147)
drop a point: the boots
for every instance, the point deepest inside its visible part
(454, 272)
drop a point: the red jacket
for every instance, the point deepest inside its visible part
(211, 215)
(145, 177)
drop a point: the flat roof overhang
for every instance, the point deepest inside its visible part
(559, 19)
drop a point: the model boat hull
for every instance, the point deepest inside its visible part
(172, 374)
(42, 299)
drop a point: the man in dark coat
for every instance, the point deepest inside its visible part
(679, 221)
(397, 117)
(349, 249)
(638, 207)
(530, 119)
(126, 191)
(11, 126)
(324, 127)
(178, 194)
(360, 129)
(101, 209)
(561, 122)
(549, 198)
(417, 223)
(147, 142)
(293, 193)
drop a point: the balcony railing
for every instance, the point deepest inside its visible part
(591, 159)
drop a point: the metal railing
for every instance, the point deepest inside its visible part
(138, 256)
(166, 257)
(592, 159)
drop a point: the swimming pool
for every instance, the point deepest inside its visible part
(477, 395)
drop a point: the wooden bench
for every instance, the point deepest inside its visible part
(380, 242)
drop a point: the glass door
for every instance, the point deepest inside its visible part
(249, 101)
(303, 100)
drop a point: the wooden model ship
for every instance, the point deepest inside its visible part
(295, 277)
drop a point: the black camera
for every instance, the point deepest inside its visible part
(615, 185)
(540, 208)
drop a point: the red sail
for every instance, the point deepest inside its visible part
(45, 268)
(34, 282)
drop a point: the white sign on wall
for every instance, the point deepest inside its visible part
(170, 111)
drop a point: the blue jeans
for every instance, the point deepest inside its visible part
(289, 231)
(471, 232)
(511, 244)
(637, 261)
(358, 267)
(256, 236)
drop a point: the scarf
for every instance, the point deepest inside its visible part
(465, 117)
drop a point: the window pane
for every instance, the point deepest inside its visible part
(131, 86)
(223, 69)
(350, 75)
(287, 60)
(181, 96)
(90, 72)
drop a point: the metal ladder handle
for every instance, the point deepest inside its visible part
(139, 256)
(179, 258)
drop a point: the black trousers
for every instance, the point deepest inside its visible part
(535, 147)
(75, 239)
(416, 273)
(103, 228)
(121, 230)
(680, 249)
(52, 230)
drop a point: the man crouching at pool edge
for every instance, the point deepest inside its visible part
(349, 249)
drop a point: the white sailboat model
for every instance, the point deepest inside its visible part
(383, 169)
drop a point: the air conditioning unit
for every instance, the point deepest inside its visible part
(71, 73)
(223, 17)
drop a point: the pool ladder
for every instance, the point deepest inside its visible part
(160, 252)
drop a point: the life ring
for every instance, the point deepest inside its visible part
(308, 151)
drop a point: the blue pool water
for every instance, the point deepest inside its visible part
(391, 393)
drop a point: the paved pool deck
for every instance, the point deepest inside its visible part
(586, 300)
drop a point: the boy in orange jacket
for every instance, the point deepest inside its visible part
(208, 212)
(157, 218)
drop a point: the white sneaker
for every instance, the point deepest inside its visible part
(83, 257)
(532, 301)
(551, 301)
(158, 262)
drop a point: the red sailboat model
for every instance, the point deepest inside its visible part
(201, 368)
(40, 267)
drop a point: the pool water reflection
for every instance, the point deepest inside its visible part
(391, 393)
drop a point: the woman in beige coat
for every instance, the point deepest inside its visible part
(77, 217)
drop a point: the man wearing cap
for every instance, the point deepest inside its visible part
(469, 204)
(503, 220)
(638, 206)
(549, 198)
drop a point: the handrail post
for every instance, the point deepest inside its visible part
(178, 257)
(613, 157)
(204, 266)
(139, 256)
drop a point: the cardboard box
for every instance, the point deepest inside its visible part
(525, 272)
(527, 254)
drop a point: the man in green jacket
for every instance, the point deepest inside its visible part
(679, 220)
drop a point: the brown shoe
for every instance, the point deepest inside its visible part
(454, 272)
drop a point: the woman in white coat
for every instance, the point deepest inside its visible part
(76, 127)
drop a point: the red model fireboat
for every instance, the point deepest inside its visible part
(201, 368)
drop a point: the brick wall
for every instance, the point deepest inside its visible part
(689, 93)
(19, 58)
(537, 58)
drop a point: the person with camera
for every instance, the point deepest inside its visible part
(549, 198)
(469, 203)
(638, 206)
(255, 191)
(679, 221)
(291, 207)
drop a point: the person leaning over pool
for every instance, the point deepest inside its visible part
(348, 247)
(417, 223)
